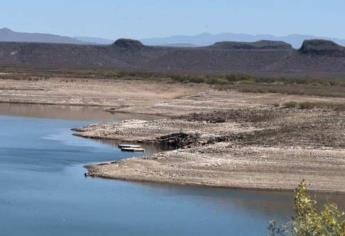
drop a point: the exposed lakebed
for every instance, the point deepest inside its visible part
(44, 192)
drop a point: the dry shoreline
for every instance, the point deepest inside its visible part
(252, 141)
(90, 168)
(167, 99)
(251, 167)
(227, 154)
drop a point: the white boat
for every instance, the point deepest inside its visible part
(128, 146)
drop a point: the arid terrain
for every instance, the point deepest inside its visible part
(215, 137)
(263, 148)
(318, 58)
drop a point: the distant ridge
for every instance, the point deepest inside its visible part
(94, 40)
(315, 57)
(322, 47)
(205, 39)
(7, 35)
(262, 44)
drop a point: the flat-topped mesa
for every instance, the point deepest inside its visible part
(259, 45)
(322, 48)
(128, 44)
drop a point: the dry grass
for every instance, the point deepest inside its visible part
(316, 105)
(236, 115)
(326, 87)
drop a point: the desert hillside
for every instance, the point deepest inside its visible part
(315, 57)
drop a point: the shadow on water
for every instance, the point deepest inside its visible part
(253, 200)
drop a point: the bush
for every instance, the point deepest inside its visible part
(216, 81)
(335, 106)
(309, 221)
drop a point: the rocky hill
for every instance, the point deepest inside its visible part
(8, 35)
(315, 57)
(205, 39)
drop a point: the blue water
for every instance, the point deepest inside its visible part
(44, 193)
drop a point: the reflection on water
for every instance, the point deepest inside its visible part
(270, 202)
(44, 192)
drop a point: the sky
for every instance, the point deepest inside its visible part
(158, 18)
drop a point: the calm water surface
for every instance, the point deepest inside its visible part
(43, 192)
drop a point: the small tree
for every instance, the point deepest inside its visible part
(309, 221)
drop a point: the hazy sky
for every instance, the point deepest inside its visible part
(150, 18)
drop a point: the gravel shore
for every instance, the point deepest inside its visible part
(274, 152)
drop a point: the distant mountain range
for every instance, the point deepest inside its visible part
(274, 56)
(268, 58)
(205, 39)
(296, 40)
(7, 35)
(95, 40)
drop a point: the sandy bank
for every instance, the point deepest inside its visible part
(137, 96)
(227, 165)
(274, 149)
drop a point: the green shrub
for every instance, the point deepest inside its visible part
(291, 105)
(216, 81)
(309, 221)
(247, 81)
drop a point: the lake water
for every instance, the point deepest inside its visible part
(44, 192)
